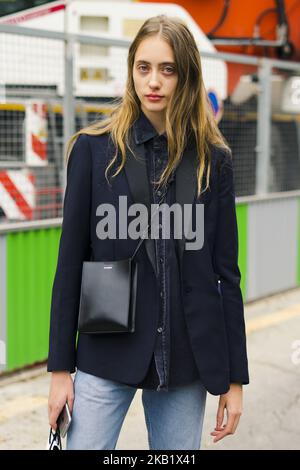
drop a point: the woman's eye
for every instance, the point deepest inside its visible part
(169, 69)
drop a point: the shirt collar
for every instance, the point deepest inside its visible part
(144, 129)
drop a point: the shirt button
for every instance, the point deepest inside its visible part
(161, 293)
(159, 329)
(161, 260)
(188, 290)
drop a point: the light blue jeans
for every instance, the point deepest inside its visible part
(174, 419)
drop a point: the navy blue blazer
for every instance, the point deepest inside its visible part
(212, 299)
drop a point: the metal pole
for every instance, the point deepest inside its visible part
(68, 100)
(263, 127)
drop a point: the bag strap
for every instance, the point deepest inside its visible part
(150, 224)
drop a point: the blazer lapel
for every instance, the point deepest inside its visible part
(186, 184)
(137, 177)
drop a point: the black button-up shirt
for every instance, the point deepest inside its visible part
(172, 361)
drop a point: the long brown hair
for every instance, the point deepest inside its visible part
(189, 107)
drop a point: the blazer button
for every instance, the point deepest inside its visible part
(159, 329)
(188, 289)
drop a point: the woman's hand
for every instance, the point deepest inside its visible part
(232, 401)
(61, 391)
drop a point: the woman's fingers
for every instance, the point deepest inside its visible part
(236, 422)
(229, 428)
(61, 392)
(53, 414)
(220, 414)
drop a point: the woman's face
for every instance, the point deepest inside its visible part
(154, 72)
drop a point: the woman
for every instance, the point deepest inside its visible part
(190, 332)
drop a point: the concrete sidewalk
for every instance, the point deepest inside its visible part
(271, 414)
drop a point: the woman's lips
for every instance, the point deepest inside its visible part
(154, 98)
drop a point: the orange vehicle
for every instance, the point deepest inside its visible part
(268, 28)
(261, 28)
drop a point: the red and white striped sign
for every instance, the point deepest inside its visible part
(17, 194)
(36, 134)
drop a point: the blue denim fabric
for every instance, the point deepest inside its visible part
(174, 420)
(172, 362)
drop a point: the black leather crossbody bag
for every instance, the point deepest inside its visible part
(108, 293)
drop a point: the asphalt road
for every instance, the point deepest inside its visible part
(271, 414)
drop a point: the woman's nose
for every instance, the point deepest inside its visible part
(154, 81)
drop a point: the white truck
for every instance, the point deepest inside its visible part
(32, 86)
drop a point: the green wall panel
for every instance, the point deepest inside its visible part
(31, 263)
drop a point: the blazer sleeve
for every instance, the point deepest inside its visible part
(74, 248)
(226, 266)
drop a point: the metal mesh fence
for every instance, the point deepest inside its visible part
(239, 127)
(31, 77)
(32, 128)
(284, 168)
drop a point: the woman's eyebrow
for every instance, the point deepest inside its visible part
(161, 63)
